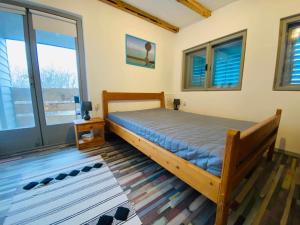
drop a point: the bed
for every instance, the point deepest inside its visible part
(211, 154)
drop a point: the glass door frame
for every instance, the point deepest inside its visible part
(62, 133)
(28, 137)
(46, 138)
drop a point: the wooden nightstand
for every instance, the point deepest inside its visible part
(94, 127)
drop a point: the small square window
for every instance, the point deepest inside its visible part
(287, 75)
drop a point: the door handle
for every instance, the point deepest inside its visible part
(31, 81)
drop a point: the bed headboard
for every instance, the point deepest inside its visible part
(118, 96)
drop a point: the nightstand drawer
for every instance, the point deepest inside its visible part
(91, 126)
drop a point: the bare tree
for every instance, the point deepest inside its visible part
(50, 78)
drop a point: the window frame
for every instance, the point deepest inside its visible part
(209, 63)
(186, 69)
(281, 53)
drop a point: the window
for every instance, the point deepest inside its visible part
(196, 68)
(287, 75)
(56, 41)
(216, 65)
(16, 109)
(227, 64)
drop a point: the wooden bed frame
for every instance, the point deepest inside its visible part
(243, 151)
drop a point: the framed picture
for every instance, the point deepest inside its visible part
(140, 52)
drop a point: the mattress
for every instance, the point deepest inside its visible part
(200, 139)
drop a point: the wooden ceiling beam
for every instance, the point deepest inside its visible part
(141, 14)
(197, 7)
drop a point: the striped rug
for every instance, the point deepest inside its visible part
(79, 199)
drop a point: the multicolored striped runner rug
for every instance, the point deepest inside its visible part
(78, 193)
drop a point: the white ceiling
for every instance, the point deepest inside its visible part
(174, 12)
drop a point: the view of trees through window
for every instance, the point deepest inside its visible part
(61, 74)
(59, 80)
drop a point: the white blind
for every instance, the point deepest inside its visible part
(227, 64)
(295, 76)
(198, 70)
(51, 23)
(291, 67)
(11, 23)
(12, 9)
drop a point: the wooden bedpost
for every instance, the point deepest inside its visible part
(104, 104)
(228, 169)
(162, 100)
(272, 146)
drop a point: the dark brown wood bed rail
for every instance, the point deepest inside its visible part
(243, 151)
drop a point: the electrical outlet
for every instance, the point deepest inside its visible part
(169, 101)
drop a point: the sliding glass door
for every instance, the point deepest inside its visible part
(19, 123)
(39, 78)
(55, 57)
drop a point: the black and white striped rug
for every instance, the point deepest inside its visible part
(84, 193)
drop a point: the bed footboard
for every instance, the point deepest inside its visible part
(243, 151)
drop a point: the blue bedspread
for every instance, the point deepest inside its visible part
(197, 138)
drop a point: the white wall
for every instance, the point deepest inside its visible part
(104, 33)
(104, 38)
(256, 100)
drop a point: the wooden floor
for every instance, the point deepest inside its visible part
(270, 195)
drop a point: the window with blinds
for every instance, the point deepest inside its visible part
(198, 74)
(291, 71)
(295, 75)
(227, 64)
(288, 58)
(215, 65)
(196, 68)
